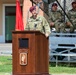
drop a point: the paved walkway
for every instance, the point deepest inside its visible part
(63, 74)
(50, 74)
(5, 48)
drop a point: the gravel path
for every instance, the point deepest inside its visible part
(63, 74)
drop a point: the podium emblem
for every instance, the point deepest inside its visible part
(23, 58)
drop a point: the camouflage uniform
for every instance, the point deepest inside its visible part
(57, 18)
(40, 23)
(72, 17)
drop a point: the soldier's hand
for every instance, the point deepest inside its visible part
(52, 24)
(47, 35)
(68, 23)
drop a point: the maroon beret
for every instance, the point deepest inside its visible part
(74, 2)
(54, 4)
(32, 8)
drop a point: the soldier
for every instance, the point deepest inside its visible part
(56, 18)
(72, 17)
(36, 22)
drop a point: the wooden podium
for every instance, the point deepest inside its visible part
(30, 51)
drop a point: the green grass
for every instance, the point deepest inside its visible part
(5, 64)
(6, 67)
(62, 68)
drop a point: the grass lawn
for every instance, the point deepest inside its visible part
(6, 67)
(5, 64)
(62, 68)
(69, 70)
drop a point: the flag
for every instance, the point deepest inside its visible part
(19, 21)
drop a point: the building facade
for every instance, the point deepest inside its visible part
(7, 19)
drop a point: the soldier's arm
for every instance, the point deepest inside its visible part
(68, 23)
(62, 15)
(27, 26)
(69, 16)
(60, 18)
(50, 17)
(46, 27)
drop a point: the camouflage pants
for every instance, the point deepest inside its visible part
(72, 28)
(60, 27)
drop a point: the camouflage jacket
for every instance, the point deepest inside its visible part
(72, 15)
(56, 16)
(40, 24)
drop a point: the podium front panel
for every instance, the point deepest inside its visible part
(30, 53)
